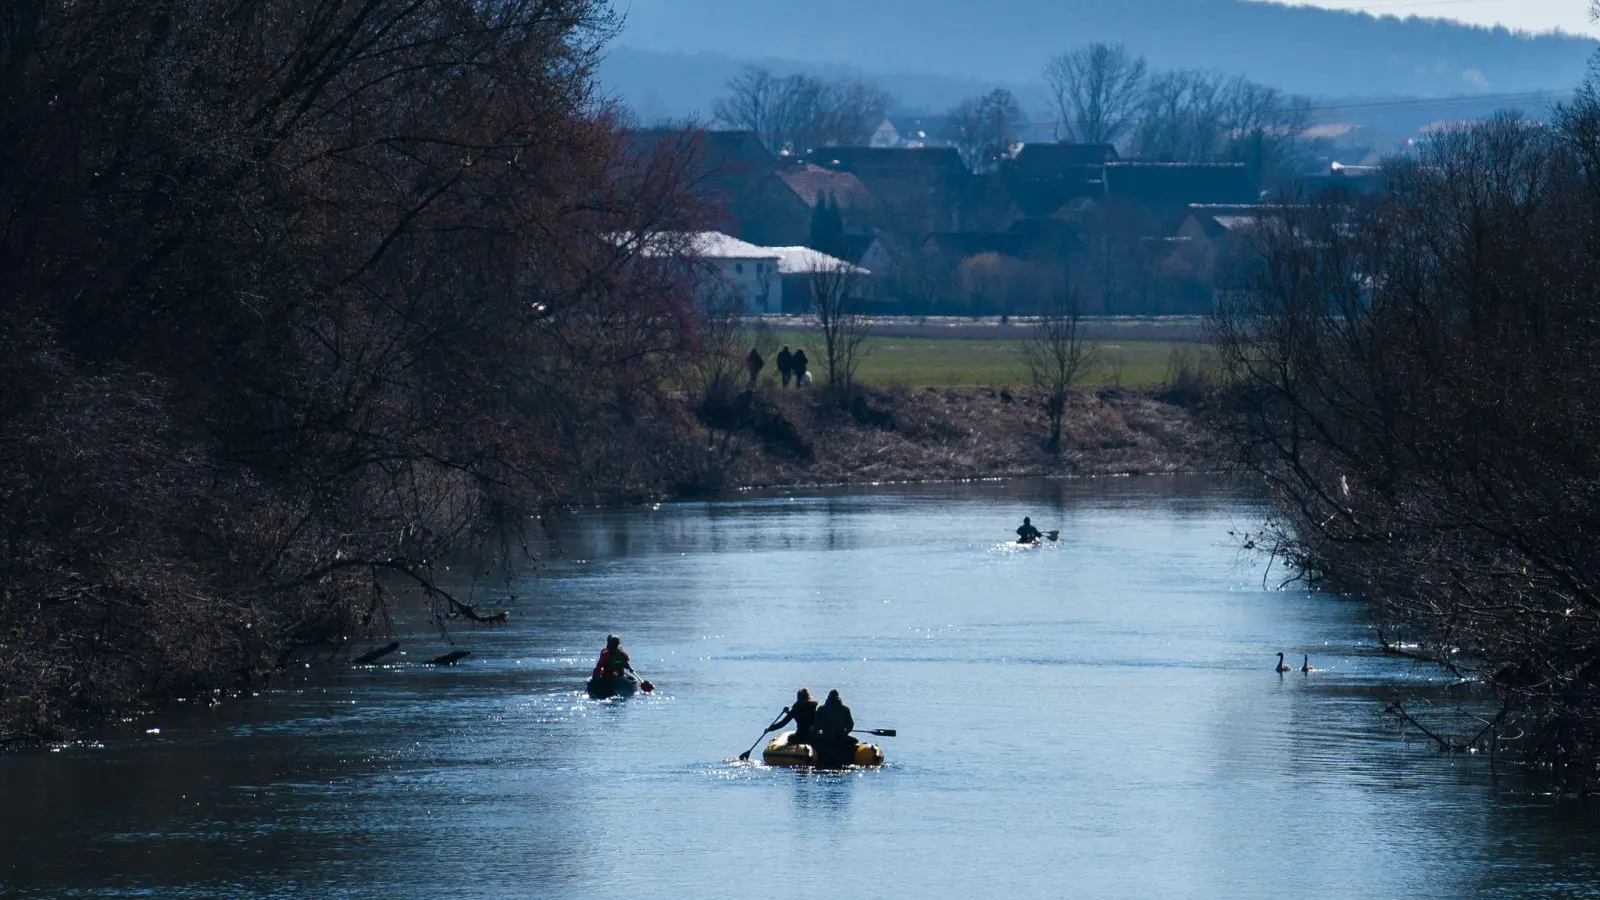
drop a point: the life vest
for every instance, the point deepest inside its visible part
(613, 662)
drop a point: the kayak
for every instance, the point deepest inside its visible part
(782, 753)
(607, 686)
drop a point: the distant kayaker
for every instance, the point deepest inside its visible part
(613, 659)
(834, 724)
(1027, 534)
(804, 716)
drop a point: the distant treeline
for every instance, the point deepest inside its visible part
(933, 46)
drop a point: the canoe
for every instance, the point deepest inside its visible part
(1052, 536)
(607, 686)
(782, 753)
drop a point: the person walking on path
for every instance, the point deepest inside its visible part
(756, 363)
(785, 364)
(797, 365)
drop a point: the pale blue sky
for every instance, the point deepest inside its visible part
(1529, 15)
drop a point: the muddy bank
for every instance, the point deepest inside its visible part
(782, 438)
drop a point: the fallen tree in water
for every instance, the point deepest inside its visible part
(1413, 377)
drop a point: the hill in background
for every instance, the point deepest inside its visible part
(674, 55)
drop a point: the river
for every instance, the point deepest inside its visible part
(1098, 718)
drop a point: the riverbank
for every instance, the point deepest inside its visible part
(777, 438)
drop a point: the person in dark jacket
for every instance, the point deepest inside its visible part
(833, 725)
(803, 714)
(613, 659)
(755, 362)
(785, 364)
(1027, 534)
(797, 365)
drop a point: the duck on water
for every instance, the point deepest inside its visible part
(1305, 664)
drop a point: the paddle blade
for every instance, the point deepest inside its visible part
(745, 756)
(1054, 535)
(647, 687)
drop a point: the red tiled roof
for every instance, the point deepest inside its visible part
(809, 181)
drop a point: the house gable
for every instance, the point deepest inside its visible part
(1156, 184)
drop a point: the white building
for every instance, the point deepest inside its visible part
(755, 274)
(733, 268)
(806, 261)
(741, 269)
(798, 265)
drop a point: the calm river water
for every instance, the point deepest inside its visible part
(1095, 719)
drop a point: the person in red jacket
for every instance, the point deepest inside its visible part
(613, 659)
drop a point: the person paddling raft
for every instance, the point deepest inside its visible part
(1028, 534)
(804, 716)
(834, 724)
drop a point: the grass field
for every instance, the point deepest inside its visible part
(936, 362)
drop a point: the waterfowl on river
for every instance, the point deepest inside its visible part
(1306, 666)
(1281, 667)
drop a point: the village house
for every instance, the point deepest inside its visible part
(913, 188)
(810, 183)
(739, 178)
(1339, 184)
(1171, 187)
(1043, 177)
(912, 131)
(738, 270)
(798, 266)
(763, 280)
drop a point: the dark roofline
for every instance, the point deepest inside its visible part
(1148, 164)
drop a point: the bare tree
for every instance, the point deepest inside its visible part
(1198, 116)
(1184, 117)
(984, 128)
(798, 113)
(1098, 91)
(1262, 127)
(836, 313)
(1410, 378)
(852, 110)
(753, 103)
(1058, 354)
(300, 283)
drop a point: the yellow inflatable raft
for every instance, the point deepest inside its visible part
(782, 753)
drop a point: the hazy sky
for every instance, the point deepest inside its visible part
(1530, 15)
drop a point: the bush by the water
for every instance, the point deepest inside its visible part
(1414, 379)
